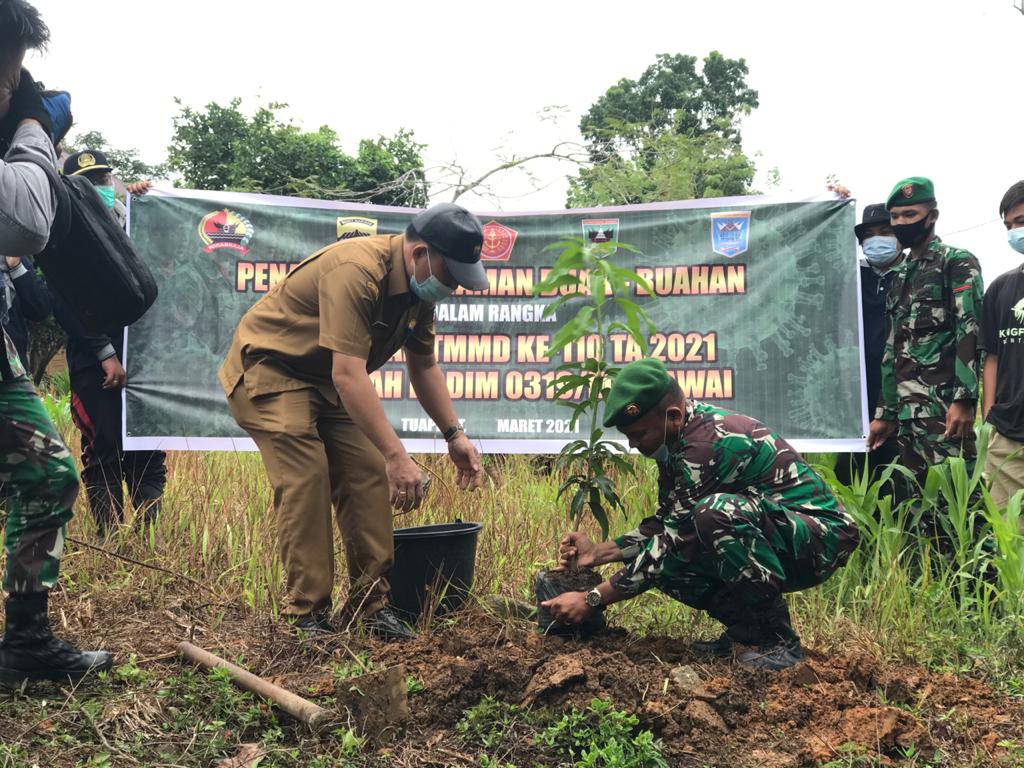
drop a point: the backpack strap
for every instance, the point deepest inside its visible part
(62, 218)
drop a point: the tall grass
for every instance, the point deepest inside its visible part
(900, 594)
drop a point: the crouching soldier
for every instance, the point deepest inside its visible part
(741, 520)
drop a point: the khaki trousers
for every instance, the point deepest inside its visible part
(317, 457)
(1005, 469)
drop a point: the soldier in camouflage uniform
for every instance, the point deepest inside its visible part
(741, 520)
(38, 479)
(931, 361)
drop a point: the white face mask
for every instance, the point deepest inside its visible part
(880, 250)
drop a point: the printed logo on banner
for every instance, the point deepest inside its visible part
(597, 231)
(498, 242)
(355, 226)
(225, 229)
(730, 232)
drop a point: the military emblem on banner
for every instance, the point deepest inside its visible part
(599, 231)
(355, 226)
(498, 242)
(225, 229)
(730, 232)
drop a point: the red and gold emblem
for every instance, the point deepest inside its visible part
(498, 242)
(907, 191)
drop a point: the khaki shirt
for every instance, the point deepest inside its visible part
(351, 297)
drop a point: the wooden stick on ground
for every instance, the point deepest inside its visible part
(296, 706)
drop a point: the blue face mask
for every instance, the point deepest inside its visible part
(430, 290)
(880, 251)
(662, 455)
(1016, 239)
(106, 195)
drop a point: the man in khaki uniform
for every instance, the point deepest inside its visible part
(297, 380)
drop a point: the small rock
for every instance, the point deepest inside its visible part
(685, 677)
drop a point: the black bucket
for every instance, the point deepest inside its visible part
(433, 563)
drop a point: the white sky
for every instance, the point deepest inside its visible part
(871, 90)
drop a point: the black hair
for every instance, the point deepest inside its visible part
(412, 234)
(21, 28)
(1014, 196)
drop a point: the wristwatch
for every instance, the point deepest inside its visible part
(594, 599)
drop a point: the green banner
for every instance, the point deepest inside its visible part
(756, 308)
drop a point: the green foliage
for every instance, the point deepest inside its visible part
(488, 723)
(602, 737)
(590, 280)
(220, 148)
(672, 134)
(58, 408)
(672, 167)
(598, 737)
(127, 164)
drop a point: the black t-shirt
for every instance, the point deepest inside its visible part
(1002, 334)
(873, 289)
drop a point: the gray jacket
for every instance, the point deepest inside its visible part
(27, 202)
(27, 207)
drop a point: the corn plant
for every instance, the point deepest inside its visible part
(587, 278)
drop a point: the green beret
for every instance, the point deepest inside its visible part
(636, 390)
(911, 191)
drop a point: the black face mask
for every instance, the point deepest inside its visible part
(913, 234)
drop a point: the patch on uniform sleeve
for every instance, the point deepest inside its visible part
(962, 288)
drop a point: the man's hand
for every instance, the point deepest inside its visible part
(12, 261)
(880, 431)
(27, 104)
(465, 457)
(841, 192)
(139, 187)
(578, 545)
(405, 482)
(959, 420)
(114, 376)
(569, 607)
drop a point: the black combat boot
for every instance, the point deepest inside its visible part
(723, 607)
(29, 650)
(779, 646)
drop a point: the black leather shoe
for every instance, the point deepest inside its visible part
(30, 651)
(387, 626)
(312, 625)
(720, 648)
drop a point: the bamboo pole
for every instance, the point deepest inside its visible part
(305, 711)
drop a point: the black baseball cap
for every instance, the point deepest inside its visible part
(873, 216)
(86, 161)
(458, 235)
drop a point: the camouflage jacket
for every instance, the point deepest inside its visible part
(931, 355)
(719, 451)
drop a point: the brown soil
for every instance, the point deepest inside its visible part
(715, 713)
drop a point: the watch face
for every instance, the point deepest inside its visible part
(593, 598)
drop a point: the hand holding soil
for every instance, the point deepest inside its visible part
(576, 549)
(569, 608)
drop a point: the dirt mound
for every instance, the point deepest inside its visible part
(717, 712)
(845, 709)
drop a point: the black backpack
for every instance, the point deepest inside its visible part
(89, 260)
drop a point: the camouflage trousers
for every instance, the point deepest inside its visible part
(921, 445)
(39, 481)
(756, 551)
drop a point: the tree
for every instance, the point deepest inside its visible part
(220, 148)
(127, 164)
(672, 134)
